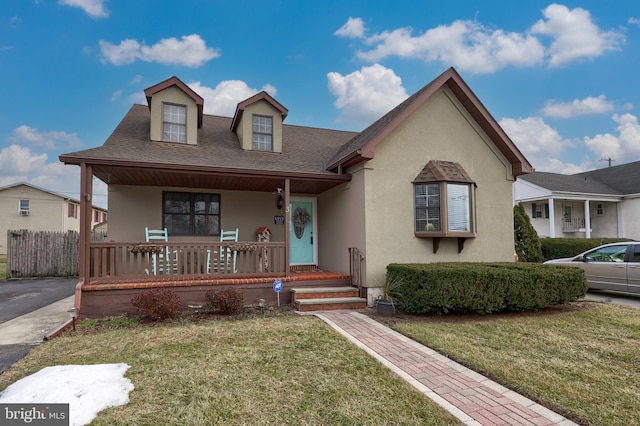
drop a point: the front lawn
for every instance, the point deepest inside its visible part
(581, 360)
(279, 370)
(585, 362)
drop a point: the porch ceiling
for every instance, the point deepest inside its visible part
(228, 179)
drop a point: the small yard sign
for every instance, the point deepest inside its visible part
(277, 287)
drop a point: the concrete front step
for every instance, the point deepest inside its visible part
(327, 304)
(322, 292)
(326, 298)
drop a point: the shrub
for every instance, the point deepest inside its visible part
(486, 287)
(526, 241)
(227, 302)
(158, 304)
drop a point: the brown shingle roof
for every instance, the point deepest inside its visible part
(305, 149)
(443, 171)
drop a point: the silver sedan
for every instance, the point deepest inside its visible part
(613, 266)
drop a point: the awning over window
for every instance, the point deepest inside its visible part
(443, 171)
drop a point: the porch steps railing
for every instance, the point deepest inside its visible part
(326, 298)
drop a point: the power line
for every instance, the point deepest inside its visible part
(609, 160)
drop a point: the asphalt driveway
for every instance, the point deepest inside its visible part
(29, 310)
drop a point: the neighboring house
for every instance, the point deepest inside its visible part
(601, 203)
(430, 181)
(26, 206)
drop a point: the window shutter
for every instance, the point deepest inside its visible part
(546, 211)
(69, 212)
(533, 210)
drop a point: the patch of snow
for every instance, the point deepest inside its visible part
(88, 389)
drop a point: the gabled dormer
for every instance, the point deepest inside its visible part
(176, 112)
(258, 123)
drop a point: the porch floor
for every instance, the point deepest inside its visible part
(121, 283)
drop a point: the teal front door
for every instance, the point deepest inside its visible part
(302, 238)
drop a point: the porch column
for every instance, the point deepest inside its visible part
(620, 222)
(587, 220)
(287, 225)
(86, 190)
(552, 219)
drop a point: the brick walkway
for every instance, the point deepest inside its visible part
(469, 396)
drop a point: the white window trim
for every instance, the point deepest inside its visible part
(259, 145)
(445, 216)
(174, 123)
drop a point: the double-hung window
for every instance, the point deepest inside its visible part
(174, 123)
(72, 210)
(23, 207)
(262, 133)
(191, 213)
(444, 201)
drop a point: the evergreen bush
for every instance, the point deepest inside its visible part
(526, 241)
(485, 287)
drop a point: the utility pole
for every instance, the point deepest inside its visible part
(608, 160)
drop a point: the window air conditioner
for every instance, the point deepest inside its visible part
(24, 212)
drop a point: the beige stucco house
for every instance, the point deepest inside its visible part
(602, 203)
(26, 206)
(430, 181)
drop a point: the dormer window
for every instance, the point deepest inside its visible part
(174, 123)
(262, 133)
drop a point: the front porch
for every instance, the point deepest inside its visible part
(119, 271)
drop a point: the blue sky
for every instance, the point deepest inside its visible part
(561, 78)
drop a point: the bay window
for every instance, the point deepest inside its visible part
(444, 201)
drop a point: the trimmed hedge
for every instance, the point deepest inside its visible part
(555, 248)
(485, 287)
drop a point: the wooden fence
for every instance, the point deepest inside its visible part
(43, 254)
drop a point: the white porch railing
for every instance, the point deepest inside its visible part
(573, 224)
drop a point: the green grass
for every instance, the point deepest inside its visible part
(279, 370)
(584, 363)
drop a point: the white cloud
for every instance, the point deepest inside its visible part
(93, 8)
(575, 35)
(466, 45)
(20, 161)
(586, 106)
(541, 144)
(21, 164)
(533, 136)
(354, 28)
(190, 50)
(475, 48)
(554, 165)
(48, 140)
(363, 96)
(634, 21)
(624, 147)
(116, 95)
(224, 98)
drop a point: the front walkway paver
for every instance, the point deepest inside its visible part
(469, 396)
